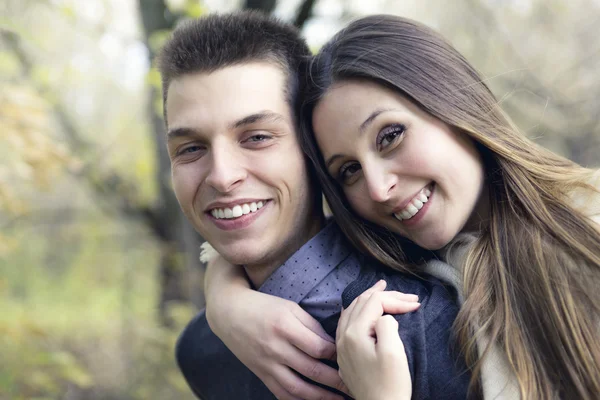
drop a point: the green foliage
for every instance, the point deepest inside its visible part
(189, 8)
(78, 315)
(194, 9)
(68, 12)
(79, 288)
(154, 80)
(30, 156)
(157, 39)
(9, 64)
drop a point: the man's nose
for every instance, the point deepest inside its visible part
(226, 169)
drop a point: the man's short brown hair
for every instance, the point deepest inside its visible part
(221, 40)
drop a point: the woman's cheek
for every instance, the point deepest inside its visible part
(359, 202)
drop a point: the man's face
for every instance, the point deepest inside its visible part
(238, 171)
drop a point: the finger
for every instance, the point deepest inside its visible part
(295, 386)
(347, 314)
(398, 303)
(364, 321)
(343, 320)
(300, 332)
(378, 286)
(404, 296)
(346, 389)
(317, 371)
(374, 309)
(278, 391)
(334, 355)
(311, 323)
(388, 338)
(362, 299)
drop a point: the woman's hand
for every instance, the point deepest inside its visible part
(273, 337)
(370, 354)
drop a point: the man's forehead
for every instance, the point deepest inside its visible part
(235, 95)
(250, 74)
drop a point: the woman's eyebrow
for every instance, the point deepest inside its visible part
(372, 117)
(332, 159)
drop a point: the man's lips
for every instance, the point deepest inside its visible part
(231, 219)
(232, 203)
(237, 210)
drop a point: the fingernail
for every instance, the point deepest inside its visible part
(380, 283)
(407, 297)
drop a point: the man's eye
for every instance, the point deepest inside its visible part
(190, 150)
(257, 141)
(348, 171)
(258, 138)
(389, 135)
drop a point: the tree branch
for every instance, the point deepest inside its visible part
(266, 6)
(112, 187)
(304, 13)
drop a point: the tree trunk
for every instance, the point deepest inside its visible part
(180, 243)
(266, 6)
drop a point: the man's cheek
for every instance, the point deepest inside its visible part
(183, 191)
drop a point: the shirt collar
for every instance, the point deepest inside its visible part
(307, 267)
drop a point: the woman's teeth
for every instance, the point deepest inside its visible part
(415, 204)
(236, 211)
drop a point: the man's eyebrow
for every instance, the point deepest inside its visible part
(261, 116)
(181, 132)
(250, 119)
(372, 117)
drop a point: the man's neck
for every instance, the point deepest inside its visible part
(258, 273)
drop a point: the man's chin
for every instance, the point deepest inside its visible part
(241, 257)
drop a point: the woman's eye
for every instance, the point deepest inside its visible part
(348, 171)
(389, 135)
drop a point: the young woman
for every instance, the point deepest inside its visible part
(407, 138)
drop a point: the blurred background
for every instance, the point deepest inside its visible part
(98, 268)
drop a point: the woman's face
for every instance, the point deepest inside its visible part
(399, 167)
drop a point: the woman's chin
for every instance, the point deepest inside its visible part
(432, 243)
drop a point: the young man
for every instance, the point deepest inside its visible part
(230, 82)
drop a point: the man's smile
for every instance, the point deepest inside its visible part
(236, 210)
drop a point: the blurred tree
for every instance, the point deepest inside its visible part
(180, 243)
(119, 194)
(541, 59)
(263, 5)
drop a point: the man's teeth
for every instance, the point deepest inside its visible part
(236, 211)
(415, 205)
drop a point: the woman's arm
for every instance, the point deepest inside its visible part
(273, 337)
(371, 355)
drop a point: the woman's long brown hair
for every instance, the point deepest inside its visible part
(532, 278)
